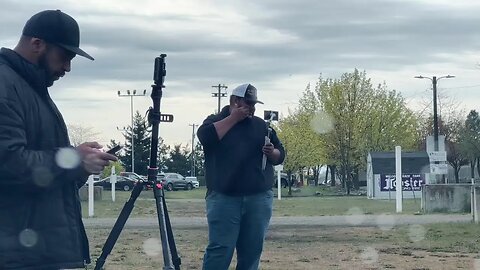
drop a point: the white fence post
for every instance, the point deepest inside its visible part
(90, 196)
(398, 177)
(113, 180)
(475, 210)
(279, 169)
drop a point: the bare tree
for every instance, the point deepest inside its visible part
(79, 134)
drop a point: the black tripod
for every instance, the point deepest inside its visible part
(170, 255)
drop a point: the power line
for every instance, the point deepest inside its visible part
(219, 94)
(458, 87)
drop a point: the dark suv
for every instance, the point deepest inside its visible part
(174, 181)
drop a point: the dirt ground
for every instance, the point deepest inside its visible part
(291, 248)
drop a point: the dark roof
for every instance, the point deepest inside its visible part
(412, 162)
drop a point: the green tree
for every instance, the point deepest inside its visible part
(470, 140)
(178, 160)
(453, 129)
(361, 118)
(142, 141)
(162, 155)
(365, 118)
(107, 171)
(199, 159)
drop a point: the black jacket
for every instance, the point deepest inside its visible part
(233, 165)
(40, 217)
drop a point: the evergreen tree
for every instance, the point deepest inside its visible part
(177, 161)
(141, 147)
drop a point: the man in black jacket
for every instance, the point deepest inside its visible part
(40, 172)
(239, 191)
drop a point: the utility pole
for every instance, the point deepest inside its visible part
(219, 94)
(434, 80)
(192, 172)
(131, 95)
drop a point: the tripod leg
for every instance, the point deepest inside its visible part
(171, 242)
(167, 256)
(119, 224)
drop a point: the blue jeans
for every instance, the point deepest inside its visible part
(236, 222)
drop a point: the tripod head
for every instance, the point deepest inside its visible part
(159, 72)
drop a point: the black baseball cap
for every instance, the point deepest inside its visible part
(57, 28)
(246, 91)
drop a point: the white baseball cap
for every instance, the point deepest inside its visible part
(246, 91)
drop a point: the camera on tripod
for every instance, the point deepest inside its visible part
(159, 71)
(170, 255)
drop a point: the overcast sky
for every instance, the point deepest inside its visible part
(277, 45)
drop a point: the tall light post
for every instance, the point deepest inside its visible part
(193, 149)
(131, 95)
(434, 80)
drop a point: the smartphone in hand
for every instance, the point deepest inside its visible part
(114, 150)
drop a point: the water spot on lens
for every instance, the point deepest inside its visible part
(355, 216)
(369, 255)
(385, 222)
(416, 233)
(321, 122)
(67, 158)
(152, 247)
(28, 238)
(42, 176)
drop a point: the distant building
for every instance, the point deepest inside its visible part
(381, 182)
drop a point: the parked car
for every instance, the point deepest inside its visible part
(123, 183)
(174, 181)
(192, 180)
(283, 179)
(133, 176)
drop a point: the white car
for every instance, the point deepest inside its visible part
(193, 180)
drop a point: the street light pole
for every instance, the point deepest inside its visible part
(193, 149)
(131, 95)
(435, 115)
(434, 80)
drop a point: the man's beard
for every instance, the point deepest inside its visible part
(48, 73)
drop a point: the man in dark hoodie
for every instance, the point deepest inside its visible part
(239, 190)
(40, 172)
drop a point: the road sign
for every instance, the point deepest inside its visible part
(441, 168)
(437, 156)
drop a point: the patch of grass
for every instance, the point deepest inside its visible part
(327, 206)
(307, 191)
(191, 203)
(179, 203)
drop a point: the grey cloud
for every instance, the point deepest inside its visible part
(327, 36)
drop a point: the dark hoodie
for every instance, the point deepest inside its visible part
(233, 165)
(40, 217)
